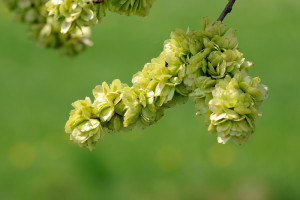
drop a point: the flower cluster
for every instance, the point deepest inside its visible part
(85, 130)
(234, 107)
(26, 10)
(205, 65)
(65, 24)
(70, 15)
(44, 29)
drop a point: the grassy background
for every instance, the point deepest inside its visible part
(174, 159)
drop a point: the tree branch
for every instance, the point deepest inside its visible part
(227, 10)
(94, 1)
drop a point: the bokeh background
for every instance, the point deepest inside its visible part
(174, 159)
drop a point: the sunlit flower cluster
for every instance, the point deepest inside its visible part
(205, 65)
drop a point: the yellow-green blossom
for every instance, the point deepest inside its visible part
(205, 65)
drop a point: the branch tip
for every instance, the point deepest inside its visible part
(227, 10)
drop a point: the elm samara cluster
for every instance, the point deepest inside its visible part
(205, 65)
(65, 24)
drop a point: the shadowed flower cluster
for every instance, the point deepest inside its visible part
(65, 24)
(44, 29)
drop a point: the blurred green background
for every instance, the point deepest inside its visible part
(174, 159)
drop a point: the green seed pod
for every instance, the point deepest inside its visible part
(65, 24)
(233, 110)
(87, 134)
(45, 29)
(82, 112)
(75, 14)
(106, 98)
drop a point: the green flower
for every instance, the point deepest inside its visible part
(234, 109)
(62, 24)
(219, 64)
(82, 112)
(46, 29)
(205, 65)
(26, 11)
(132, 107)
(106, 98)
(83, 126)
(68, 44)
(87, 134)
(75, 14)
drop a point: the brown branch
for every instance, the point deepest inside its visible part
(227, 10)
(94, 1)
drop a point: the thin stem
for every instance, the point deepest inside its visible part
(227, 10)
